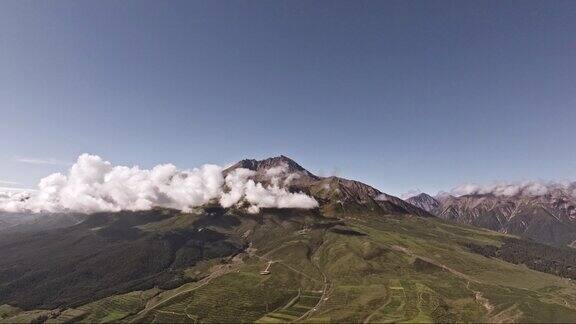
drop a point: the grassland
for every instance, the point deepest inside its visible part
(370, 270)
(368, 278)
(7, 311)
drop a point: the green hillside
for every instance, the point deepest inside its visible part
(369, 269)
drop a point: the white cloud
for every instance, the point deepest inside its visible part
(12, 189)
(11, 200)
(50, 161)
(242, 188)
(93, 185)
(275, 197)
(236, 184)
(277, 170)
(525, 188)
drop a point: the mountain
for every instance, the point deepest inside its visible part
(337, 196)
(548, 218)
(281, 162)
(29, 222)
(41, 261)
(425, 202)
(363, 256)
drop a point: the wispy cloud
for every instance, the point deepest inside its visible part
(12, 186)
(410, 193)
(13, 183)
(14, 189)
(50, 161)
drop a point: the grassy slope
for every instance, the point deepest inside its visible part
(8, 311)
(470, 288)
(370, 279)
(325, 276)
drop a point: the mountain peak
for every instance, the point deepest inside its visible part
(422, 195)
(272, 162)
(424, 201)
(335, 194)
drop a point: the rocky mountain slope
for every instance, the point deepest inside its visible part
(548, 218)
(425, 202)
(336, 195)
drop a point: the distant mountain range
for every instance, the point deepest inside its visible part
(548, 218)
(28, 222)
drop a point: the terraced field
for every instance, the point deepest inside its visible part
(407, 302)
(7, 311)
(296, 309)
(32, 316)
(395, 310)
(68, 316)
(115, 308)
(246, 295)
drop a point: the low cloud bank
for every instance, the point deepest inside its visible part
(95, 185)
(259, 196)
(525, 188)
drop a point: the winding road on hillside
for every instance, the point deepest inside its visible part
(326, 290)
(218, 271)
(480, 299)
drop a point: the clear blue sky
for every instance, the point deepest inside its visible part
(398, 94)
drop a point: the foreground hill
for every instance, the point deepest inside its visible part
(207, 267)
(549, 218)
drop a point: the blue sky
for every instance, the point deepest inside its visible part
(399, 94)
